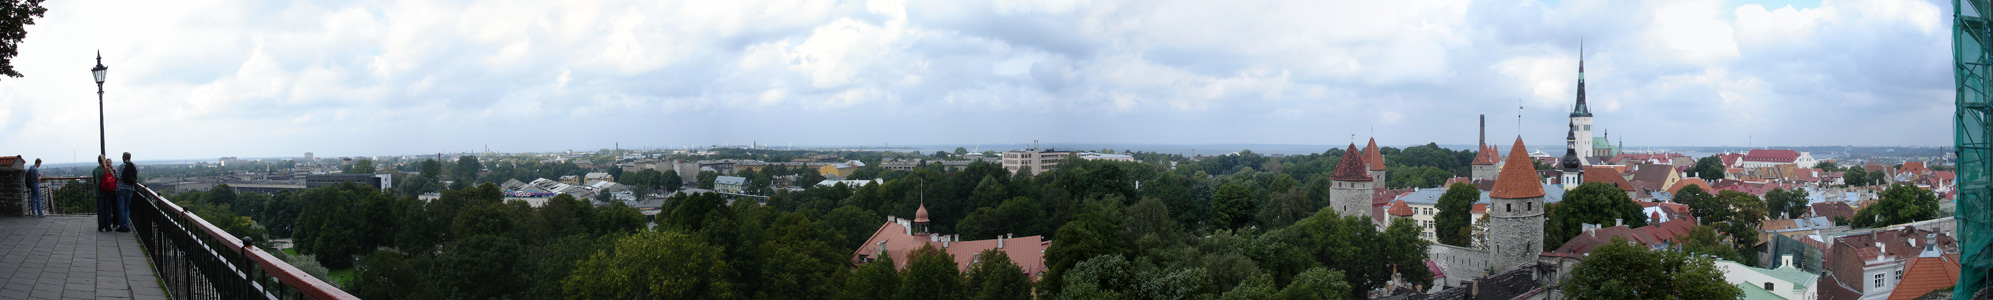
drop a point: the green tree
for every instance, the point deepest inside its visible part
(385, 275)
(431, 168)
(1705, 239)
(466, 169)
(1901, 203)
(1622, 270)
(988, 193)
(14, 28)
(221, 194)
(1709, 168)
(961, 151)
(1256, 287)
(1020, 216)
(362, 166)
(1316, 283)
(854, 223)
(1828, 166)
(654, 265)
(874, 280)
(995, 277)
(706, 179)
(1232, 206)
(1785, 204)
(1702, 205)
(481, 267)
(672, 181)
(1855, 176)
(930, 275)
(1455, 207)
(1591, 203)
(1286, 207)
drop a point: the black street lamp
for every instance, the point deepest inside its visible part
(99, 73)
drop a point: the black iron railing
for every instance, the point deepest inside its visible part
(50, 205)
(197, 260)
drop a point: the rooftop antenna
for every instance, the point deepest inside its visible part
(1518, 117)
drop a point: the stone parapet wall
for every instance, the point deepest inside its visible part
(1350, 198)
(13, 189)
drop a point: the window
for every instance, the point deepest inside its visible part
(1899, 274)
(1588, 127)
(1530, 206)
(1878, 280)
(1508, 207)
(1768, 287)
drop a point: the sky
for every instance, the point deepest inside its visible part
(201, 79)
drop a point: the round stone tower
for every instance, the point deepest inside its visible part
(1515, 213)
(1351, 185)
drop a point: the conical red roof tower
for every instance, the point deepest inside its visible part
(1518, 178)
(1351, 167)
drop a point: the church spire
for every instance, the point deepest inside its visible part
(1581, 110)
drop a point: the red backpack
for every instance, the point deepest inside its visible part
(106, 182)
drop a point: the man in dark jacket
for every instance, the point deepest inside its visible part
(127, 183)
(35, 190)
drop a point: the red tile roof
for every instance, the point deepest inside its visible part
(1351, 167)
(1518, 177)
(1691, 181)
(1925, 274)
(1373, 157)
(12, 161)
(1772, 155)
(1832, 209)
(1398, 208)
(1730, 159)
(1028, 252)
(1608, 176)
(1487, 156)
(1913, 167)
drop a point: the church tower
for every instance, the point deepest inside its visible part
(1515, 214)
(1350, 185)
(1571, 167)
(1581, 114)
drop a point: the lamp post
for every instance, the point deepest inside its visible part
(99, 73)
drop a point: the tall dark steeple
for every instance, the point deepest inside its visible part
(1581, 110)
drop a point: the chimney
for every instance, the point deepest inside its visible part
(1785, 261)
(1618, 222)
(999, 242)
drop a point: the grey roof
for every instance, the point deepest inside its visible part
(734, 180)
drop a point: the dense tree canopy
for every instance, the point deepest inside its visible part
(1623, 270)
(1455, 207)
(1901, 203)
(1591, 203)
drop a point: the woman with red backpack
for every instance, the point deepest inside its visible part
(107, 187)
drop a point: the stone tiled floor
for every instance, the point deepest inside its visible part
(64, 257)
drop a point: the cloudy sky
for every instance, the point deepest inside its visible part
(211, 78)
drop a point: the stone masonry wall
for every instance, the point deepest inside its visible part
(1460, 264)
(1485, 172)
(1515, 236)
(13, 191)
(1350, 198)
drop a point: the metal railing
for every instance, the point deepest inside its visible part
(197, 260)
(47, 187)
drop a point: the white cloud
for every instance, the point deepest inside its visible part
(226, 77)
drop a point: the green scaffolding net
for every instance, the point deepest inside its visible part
(1973, 119)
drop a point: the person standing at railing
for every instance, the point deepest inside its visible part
(127, 184)
(107, 185)
(35, 189)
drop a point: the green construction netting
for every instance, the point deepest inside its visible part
(1970, 35)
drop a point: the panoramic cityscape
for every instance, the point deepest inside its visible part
(996, 150)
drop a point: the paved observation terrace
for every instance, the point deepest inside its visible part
(64, 257)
